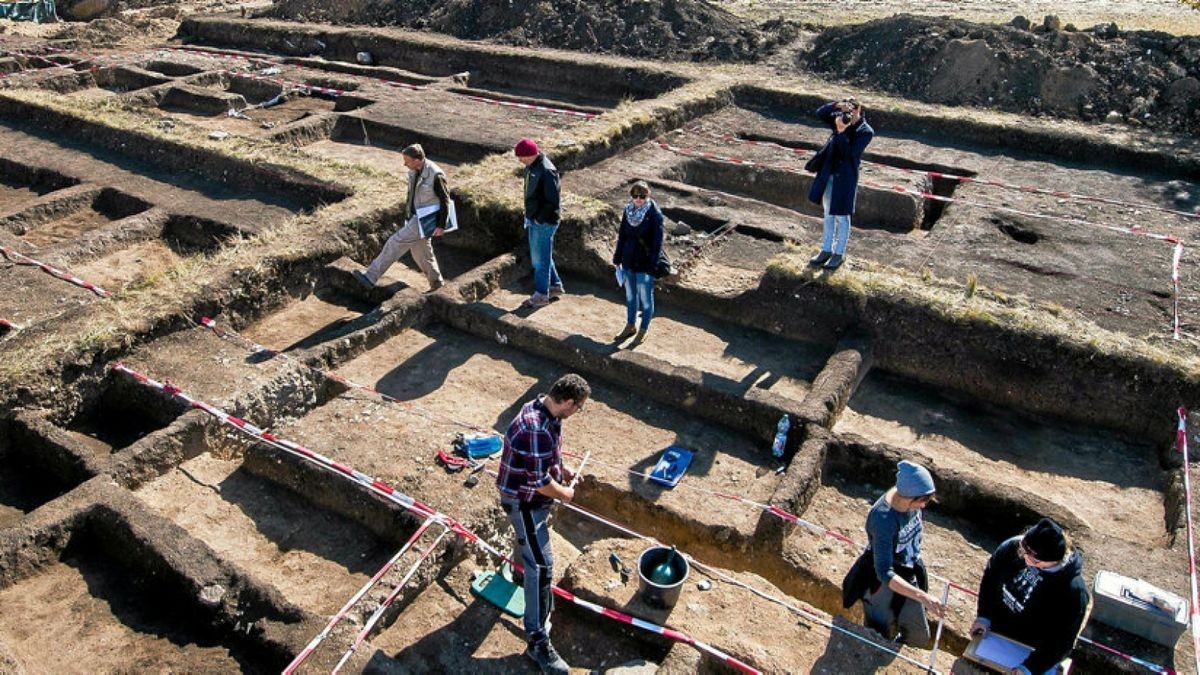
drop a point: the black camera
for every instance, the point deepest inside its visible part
(847, 116)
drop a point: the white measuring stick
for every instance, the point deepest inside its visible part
(579, 469)
(941, 623)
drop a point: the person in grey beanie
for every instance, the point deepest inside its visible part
(889, 577)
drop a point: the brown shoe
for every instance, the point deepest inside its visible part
(625, 333)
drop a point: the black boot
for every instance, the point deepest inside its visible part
(820, 258)
(835, 261)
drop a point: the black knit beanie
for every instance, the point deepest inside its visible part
(1046, 541)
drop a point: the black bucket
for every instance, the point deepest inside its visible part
(661, 596)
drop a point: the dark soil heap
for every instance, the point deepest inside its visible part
(661, 29)
(1146, 77)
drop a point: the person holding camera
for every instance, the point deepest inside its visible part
(836, 184)
(636, 257)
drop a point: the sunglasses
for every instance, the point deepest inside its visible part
(1027, 553)
(641, 196)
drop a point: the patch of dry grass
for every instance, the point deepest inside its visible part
(973, 302)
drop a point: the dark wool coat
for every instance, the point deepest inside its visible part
(842, 154)
(638, 247)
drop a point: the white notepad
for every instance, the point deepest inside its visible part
(997, 651)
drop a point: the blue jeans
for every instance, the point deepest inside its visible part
(639, 290)
(839, 223)
(532, 527)
(541, 255)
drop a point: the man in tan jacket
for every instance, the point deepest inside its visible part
(426, 211)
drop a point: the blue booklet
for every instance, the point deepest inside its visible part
(671, 466)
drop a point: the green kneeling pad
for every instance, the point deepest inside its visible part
(499, 591)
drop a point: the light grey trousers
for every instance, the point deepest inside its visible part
(911, 620)
(407, 240)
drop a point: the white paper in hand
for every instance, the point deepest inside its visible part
(620, 276)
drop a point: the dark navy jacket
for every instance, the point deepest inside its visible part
(1042, 609)
(842, 154)
(638, 247)
(542, 191)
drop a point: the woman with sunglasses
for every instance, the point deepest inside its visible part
(636, 256)
(1033, 592)
(890, 577)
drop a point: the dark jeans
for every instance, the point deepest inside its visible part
(532, 527)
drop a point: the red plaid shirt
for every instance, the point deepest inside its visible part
(531, 457)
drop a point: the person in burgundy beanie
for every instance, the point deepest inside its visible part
(542, 199)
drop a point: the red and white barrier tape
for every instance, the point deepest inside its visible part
(221, 54)
(20, 259)
(286, 84)
(718, 574)
(1181, 444)
(773, 510)
(825, 531)
(529, 106)
(924, 195)
(414, 506)
(341, 614)
(1074, 196)
(387, 602)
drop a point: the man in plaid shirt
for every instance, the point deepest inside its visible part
(531, 477)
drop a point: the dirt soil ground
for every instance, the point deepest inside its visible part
(1101, 73)
(196, 505)
(663, 29)
(86, 610)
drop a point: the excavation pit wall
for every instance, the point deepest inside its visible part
(977, 357)
(360, 129)
(1087, 475)
(21, 183)
(888, 210)
(292, 189)
(69, 213)
(560, 76)
(33, 474)
(1015, 133)
(97, 546)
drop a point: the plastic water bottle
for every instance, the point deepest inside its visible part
(781, 436)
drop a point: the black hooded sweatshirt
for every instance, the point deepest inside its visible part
(1044, 609)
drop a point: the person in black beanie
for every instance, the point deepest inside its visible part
(1033, 592)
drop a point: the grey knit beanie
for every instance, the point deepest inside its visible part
(913, 480)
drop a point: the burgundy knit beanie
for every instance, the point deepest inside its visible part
(526, 148)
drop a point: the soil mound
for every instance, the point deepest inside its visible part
(1102, 73)
(661, 29)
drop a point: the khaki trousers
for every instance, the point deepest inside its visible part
(407, 240)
